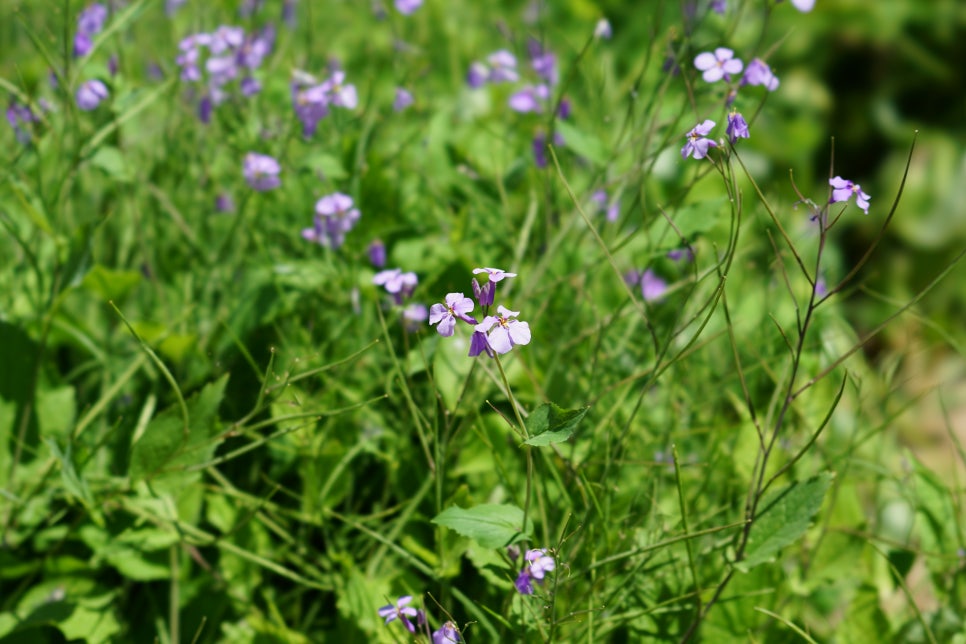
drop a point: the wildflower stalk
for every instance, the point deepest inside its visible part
(522, 430)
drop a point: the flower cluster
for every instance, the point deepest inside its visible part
(231, 55)
(495, 333)
(312, 99)
(400, 286)
(537, 564)
(414, 619)
(843, 190)
(335, 215)
(90, 22)
(500, 67)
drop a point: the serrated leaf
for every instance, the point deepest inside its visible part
(783, 517)
(549, 424)
(492, 525)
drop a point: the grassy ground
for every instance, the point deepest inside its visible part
(223, 417)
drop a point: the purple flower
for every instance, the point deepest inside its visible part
(337, 216)
(843, 189)
(804, 5)
(503, 67)
(495, 274)
(544, 64)
(82, 44)
(478, 345)
(400, 611)
(396, 282)
(340, 94)
(500, 67)
(719, 6)
(414, 316)
(377, 253)
(311, 106)
(19, 115)
(503, 331)
(686, 253)
(261, 171)
(456, 307)
(406, 7)
(403, 100)
(720, 64)
(531, 98)
(224, 203)
(538, 564)
(652, 286)
(90, 94)
(446, 633)
(697, 144)
(540, 150)
(759, 73)
(613, 209)
(603, 29)
(737, 127)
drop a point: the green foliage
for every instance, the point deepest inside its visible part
(213, 429)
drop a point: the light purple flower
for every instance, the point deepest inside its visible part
(719, 6)
(494, 274)
(686, 253)
(544, 64)
(737, 127)
(697, 144)
(446, 634)
(341, 94)
(91, 20)
(83, 43)
(261, 171)
(652, 286)
(603, 29)
(538, 564)
(414, 316)
(804, 5)
(19, 116)
(339, 217)
(311, 106)
(500, 67)
(90, 94)
(400, 611)
(456, 307)
(843, 189)
(612, 209)
(720, 64)
(759, 73)
(403, 100)
(224, 203)
(503, 67)
(406, 7)
(503, 330)
(531, 98)
(396, 282)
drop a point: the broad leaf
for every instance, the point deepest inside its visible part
(783, 517)
(549, 423)
(491, 525)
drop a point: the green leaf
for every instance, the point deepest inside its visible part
(549, 424)
(586, 145)
(491, 525)
(169, 447)
(110, 284)
(783, 517)
(326, 165)
(111, 161)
